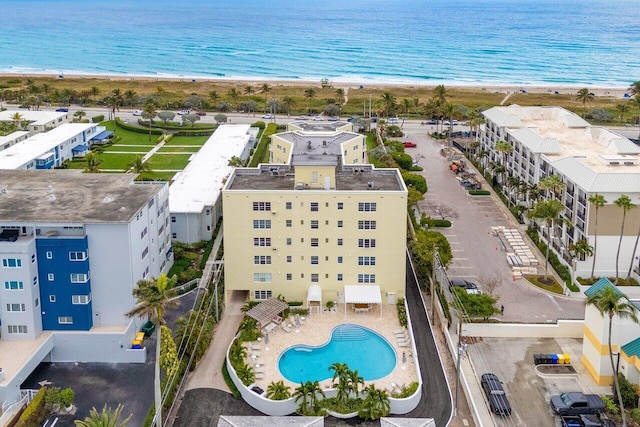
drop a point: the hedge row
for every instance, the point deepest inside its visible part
(444, 223)
(194, 132)
(479, 192)
(36, 412)
(263, 145)
(137, 129)
(98, 119)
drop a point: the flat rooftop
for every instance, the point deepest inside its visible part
(319, 126)
(364, 178)
(311, 149)
(12, 137)
(70, 196)
(25, 151)
(200, 183)
(37, 117)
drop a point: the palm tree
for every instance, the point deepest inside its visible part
(548, 211)
(266, 89)
(388, 103)
(585, 96)
(551, 183)
(278, 391)
(153, 298)
(581, 250)
(503, 147)
(406, 107)
(130, 96)
(139, 166)
(634, 88)
(79, 114)
(248, 90)
(234, 95)
(149, 112)
(310, 93)
(341, 373)
(214, 96)
(92, 162)
(113, 102)
(340, 95)
(623, 108)
(624, 203)
(95, 91)
(598, 201)
(106, 418)
(246, 374)
(308, 394)
(375, 405)
(17, 119)
(440, 93)
(355, 381)
(612, 302)
(288, 102)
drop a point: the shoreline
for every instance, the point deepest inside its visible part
(489, 87)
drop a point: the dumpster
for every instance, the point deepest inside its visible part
(140, 336)
(137, 344)
(148, 328)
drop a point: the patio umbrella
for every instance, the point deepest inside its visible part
(266, 338)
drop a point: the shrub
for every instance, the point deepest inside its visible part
(402, 313)
(98, 119)
(609, 404)
(168, 138)
(300, 311)
(628, 392)
(444, 223)
(207, 253)
(479, 192)
(294, 303)
(416, 181)
(600, 115)
(406, 391)
(403, 160)
(36, 412)
(131, 128)
(259, 124)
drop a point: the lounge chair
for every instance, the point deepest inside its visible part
(259, 376)
(259, 370)
(390, 389)
(403, 344)
(285, 328)
(255, 347)
(400, 331)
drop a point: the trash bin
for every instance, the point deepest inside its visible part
(554, 359)
(567, 359)
(561, 359)
(148, 328)
(537, 359)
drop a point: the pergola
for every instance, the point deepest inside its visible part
(267, 310)
(362, 294)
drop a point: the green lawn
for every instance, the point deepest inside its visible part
(116, 161)
(128, 137)
(168, 161)
(177, 149)
(155, 176)
(141, 149)
(188, 140)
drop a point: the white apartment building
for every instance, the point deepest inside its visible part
(588, 159)
(39, 120)
(12, 139)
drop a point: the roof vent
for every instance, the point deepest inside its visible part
(324, 143)
(50, 189)
(107, 199)
(51, 197)
(309, 145)
(371, 185)
(3, 189)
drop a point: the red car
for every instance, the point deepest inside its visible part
(201, 113)
(409, 144)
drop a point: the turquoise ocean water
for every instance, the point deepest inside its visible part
(521, 42)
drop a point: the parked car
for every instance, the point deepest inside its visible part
(576, 403)
(393, 121)
(137, 113)
(471, 287)
(267, 116)
(497, 398)
(588, 420)
(334, 118)
(62, 110)
(184, 112)
(318, 118)
(201, 113)
(431, 122)
(409, 144)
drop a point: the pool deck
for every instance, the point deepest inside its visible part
(316, 331)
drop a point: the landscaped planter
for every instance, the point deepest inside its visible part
(342, 416)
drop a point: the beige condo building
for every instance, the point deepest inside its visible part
(318, 214)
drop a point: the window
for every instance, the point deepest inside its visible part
(314, 224)
(340, 206)
(366, 225)
(262, 241)
(314, 206)
(289, 276)
(173, 218)
(262, 294)
(37, 302)
(143, 233)
(262, 259)
(52, 298)
(367, 207)
(261, 223)
(11, 263)
(65, 320)
(339, 260)
(366, 243)
(288, 258)
(35, 281)
(261, 206)
(315, 278)
(79, 278)
(288, 241)
(314, 242)
(78, 256)
(80, 299)
(339, 242)
(174, 235)
(288, 223)
(49, 255)
(366, 278)
(145, 252)
(16, 307)
(339, 224)
(17, 329)
(314, 260)
(287, 205)
(262, 277)
(314, 176)
(33, 258)
(339, 277)
(366, 260)
(13, 285)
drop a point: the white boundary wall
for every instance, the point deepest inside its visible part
(561, 329)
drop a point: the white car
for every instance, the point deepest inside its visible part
(267, 116)
(184, 112)
(137, 113)
(393, 121)
(318, 118)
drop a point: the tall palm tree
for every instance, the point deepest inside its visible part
(612, 302)
(95, 91)
(106, 418)
(584, 96)
(355, 382)
(550, 213)
(633, 254)
(341, 96)
(581, 250)
(234, 95)
(248, 90)
(308, 394)
(288, 102)
(598, 201)
(278, 391)
(406, 108)
(551, 183)
(266, 89)
(623, 108)
(310, 93)
(149, 112)
(388, 103)
(375, 405)
(130, 96)
(114, 100)
(440, 93)
(624, 203)
(17, 119)
(504, 148)
(92, 162)
(153, 298)
(341, 373)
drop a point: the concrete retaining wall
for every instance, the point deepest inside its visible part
(561, 329)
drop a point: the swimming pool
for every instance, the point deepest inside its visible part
(357, 346)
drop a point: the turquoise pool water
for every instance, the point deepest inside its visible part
(357, 346)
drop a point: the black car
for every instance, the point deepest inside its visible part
(471, 287)
(497, 398)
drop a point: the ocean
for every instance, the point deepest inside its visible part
(461, 42)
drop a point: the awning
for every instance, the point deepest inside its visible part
(79, 148)
(314, 293)
(362, 294)
(106, 134)
(267, 310)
